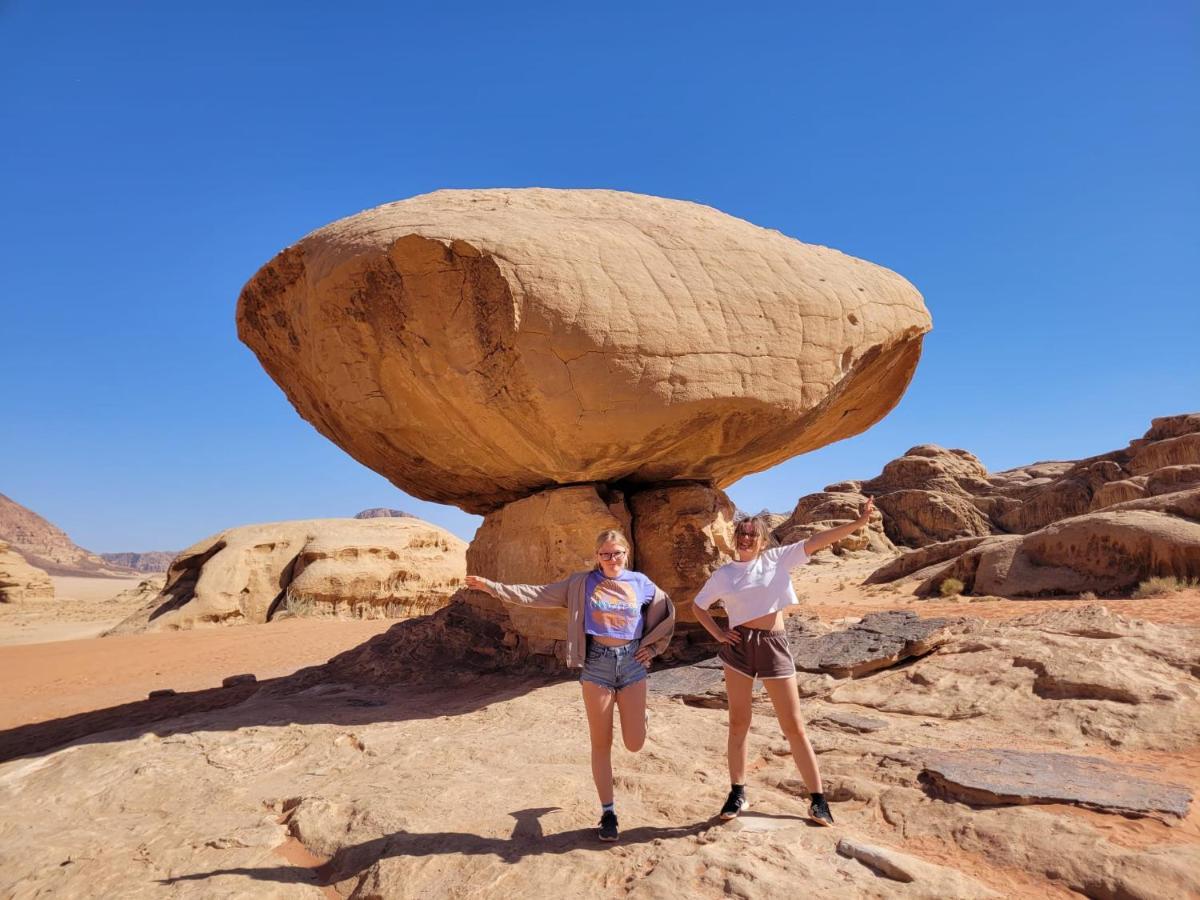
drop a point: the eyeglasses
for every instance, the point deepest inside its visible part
(616, 554)
(746, 534)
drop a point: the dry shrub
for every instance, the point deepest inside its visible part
(951, 587)
(1163, 585)
(1088, 596)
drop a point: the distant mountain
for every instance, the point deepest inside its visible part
(380, 512)
(47, 546)
(150, 561)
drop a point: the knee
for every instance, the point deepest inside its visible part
(739, 726)
(634, 742)
(602, 743)
(793, 729)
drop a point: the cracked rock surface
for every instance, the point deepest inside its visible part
(476, 346)
(341, 782)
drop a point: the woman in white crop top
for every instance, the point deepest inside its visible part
(755, 589)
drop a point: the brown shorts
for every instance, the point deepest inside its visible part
(759, 653)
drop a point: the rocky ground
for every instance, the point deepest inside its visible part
(1042, 749)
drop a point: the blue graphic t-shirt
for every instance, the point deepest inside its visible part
(615, 607)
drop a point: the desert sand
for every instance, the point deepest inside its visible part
(81, 608)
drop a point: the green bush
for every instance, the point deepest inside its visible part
(951, 587)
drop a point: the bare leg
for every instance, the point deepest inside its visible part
(631, 704)
(598, 702)
(739, 689)
(786, 700)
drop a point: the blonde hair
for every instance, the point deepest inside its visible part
(616, 537)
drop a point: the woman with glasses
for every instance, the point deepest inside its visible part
(617, 621)
(755, 589)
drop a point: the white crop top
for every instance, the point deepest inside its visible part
(748, 590)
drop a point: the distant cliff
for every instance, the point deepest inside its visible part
(151, 561)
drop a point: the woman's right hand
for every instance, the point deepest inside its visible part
(475, 583)
(728, 636)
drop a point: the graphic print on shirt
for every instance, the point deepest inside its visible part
(614, 605)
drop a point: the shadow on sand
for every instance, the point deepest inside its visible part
(527, 839)
(378, 681)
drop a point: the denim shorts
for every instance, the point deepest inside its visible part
(612, 667)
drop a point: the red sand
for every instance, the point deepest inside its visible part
(47, 681)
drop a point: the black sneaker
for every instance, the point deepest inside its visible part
(735, 804)
(608, 826)
(819, 812)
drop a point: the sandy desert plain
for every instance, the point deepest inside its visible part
(1000, 673)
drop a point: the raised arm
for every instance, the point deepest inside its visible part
(523, 594)
(823, 539)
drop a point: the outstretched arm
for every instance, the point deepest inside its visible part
(523, 594)
(823, 539)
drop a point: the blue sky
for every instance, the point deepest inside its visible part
(1031, 167)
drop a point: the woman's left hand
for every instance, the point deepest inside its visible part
(643, 655)
(865, 516)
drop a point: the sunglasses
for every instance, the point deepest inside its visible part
(615, 554)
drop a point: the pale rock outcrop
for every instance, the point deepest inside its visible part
(683, 533)
(19, 580)
(916, 518)
(1105, 552)
(1183, 450)
(1169, 479)
(477, 346)
(1081, 533)
(375, 568)
(829, 509)
(1119, 491)
(382, 769)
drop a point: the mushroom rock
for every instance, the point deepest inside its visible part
(682, 534)
(478, 346)
(542, 539)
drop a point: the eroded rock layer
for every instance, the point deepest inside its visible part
(478, 346)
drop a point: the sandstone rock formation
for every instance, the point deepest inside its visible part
(569, 352)
(151, 561)
(46, 546)
(290, 787)
(382, 512)
(1101, 524)
(1109, 551)
(478, 346)
(1004, 776)
(374, 568)
(538, 540)
(21, 581)
(683, 533)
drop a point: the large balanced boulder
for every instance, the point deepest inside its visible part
(347, 568)
(478, 346)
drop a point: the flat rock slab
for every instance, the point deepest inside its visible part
(1000, 777)
(702, 682)
(880, 640)
(848, 721)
